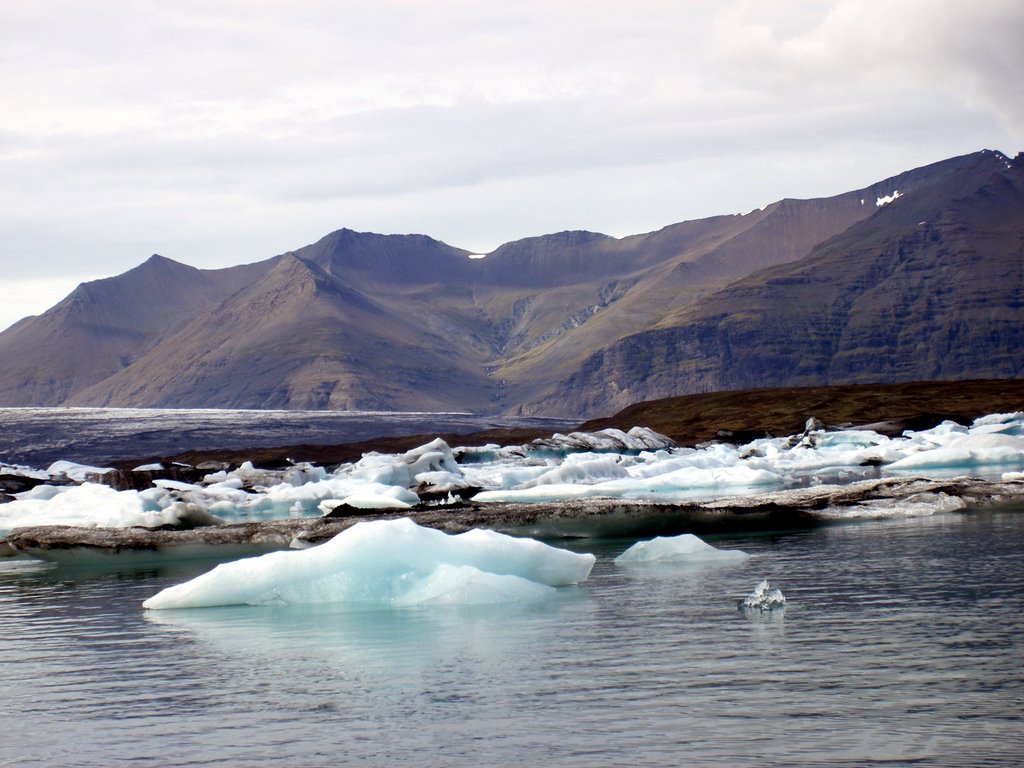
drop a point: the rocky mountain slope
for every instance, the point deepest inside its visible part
(104, 326)
(864, 286)
(929, 287)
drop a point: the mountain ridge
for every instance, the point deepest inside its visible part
(807, 298)
(571, 324)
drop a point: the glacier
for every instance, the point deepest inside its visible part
(388, 563)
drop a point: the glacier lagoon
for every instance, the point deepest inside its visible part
(900, 641)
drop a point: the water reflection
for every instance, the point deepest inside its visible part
(371, 638)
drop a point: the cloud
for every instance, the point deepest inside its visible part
(223, 131)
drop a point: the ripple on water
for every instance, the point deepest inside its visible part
(899, 643)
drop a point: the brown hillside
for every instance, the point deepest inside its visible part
(892, 408)
(691, 419)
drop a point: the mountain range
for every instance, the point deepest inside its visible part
(917, 277)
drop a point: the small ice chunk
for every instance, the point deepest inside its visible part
(685, 548)
(763, 598)
(22, 471)
(80, 473)
(365, 501)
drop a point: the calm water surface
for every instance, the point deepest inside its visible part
(900, 644)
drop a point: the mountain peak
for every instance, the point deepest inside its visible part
(156, 260)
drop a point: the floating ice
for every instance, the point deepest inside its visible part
(366, 500)
(962, 449)
(404, 470)
(686, 548)
(762, 599)
(637, 465)
(97, 506)
(580, 473)
(659, 482)
(915, 505)
(388, 562)
(77, 472)
(20, 470)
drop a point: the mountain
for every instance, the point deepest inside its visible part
(915, 277)
(299, 337)
(931, 286)
(105, 325)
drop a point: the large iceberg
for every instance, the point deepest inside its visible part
(388, 562)
(686, 548)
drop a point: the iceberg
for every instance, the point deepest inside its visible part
(763, 598)
(962, 450)
(686, 548)
(387, 563)
(405, 470)
(605, 440)
(98, 506)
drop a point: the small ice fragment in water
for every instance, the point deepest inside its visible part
(686, 548)
(763, 599)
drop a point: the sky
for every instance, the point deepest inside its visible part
(219, 132)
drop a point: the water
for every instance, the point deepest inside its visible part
(39, 436)
(901, 643)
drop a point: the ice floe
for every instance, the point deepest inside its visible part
(388, 563)
(77, 472)
(685, 548)
(97, 506)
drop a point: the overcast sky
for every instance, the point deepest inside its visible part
(217, 132)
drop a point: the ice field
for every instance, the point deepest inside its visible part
(638, 465)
